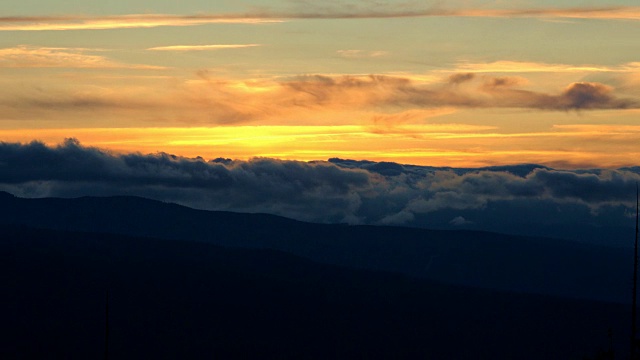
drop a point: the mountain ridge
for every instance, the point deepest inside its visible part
(478, 259)
(177, 299)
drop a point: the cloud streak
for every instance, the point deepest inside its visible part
(133, 21)
(49, 57)
(59, 23)
(506, 66)
(202, 47)
(359, 54)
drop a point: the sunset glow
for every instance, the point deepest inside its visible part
(528, 83)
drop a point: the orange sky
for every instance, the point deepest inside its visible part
(530, 83)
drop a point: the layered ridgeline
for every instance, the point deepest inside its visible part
(171, 299)
(470, 258)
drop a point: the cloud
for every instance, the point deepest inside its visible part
(492, 83)
(324, 191)
(379, 100)
(585, 95)
(201, 47)
(358, 54)
(461, 77)
(258, 185)
(596, 13)
(24, 56)
(380, 10)
(509, 66)
(386, 123)
(60, 23)
(460, 221)
(310, 11)
(498, 92)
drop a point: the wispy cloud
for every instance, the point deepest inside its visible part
(508, 66)
(55, 23)
(202, 47)
(356, 54)
(55, 57)
(598, 13)
(39, 23)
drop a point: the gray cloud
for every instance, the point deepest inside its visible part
(326, 191)
(459, 221)
(498, 92)
(586, 95)
(313, 191)
(461, 77)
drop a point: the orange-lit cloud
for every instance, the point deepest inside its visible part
(202, 47)
(48, 57)
(598, 13)
(312, 99)
(55, 23)
(499, 92)
(386, 122)
(357, 54)
(506, 66)
(39, 23)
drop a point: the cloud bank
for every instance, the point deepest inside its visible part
(470, 91)
(334, 191)
(327, 100)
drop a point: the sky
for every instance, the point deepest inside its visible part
(458, 83)
(507, 116)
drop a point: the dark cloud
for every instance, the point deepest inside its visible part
(584, 95)
(460, 78)
(597, 187)
(577, 96)
(89, 102)
(258, 185)
(501, 81)
(327, 191)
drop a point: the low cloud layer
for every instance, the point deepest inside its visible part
(357, 192)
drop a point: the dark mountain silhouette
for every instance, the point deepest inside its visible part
(479, 259)
(180, 299)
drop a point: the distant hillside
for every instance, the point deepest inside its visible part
(188, 300)
(478, 259)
